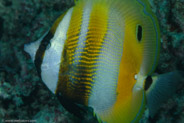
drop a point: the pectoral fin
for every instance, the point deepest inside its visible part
(162, 88)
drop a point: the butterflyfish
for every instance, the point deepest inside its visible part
(102, 54)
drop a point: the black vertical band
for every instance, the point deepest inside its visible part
(41, 51)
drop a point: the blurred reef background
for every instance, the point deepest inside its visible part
(24, 96)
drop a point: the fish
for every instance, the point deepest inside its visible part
(103, 54)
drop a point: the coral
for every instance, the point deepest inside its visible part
(170, 16)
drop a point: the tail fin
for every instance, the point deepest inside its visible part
(163, 87)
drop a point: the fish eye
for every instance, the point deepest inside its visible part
(148, 82)
(139, 32)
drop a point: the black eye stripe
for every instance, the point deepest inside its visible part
(148, 83)
(139, 33)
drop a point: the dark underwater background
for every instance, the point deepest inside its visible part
(23, 96)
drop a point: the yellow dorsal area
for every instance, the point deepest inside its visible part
(75, 1)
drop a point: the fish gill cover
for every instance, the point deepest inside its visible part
(23, 95)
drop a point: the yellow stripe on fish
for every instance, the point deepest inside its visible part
(67, 80)
(102, 53)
